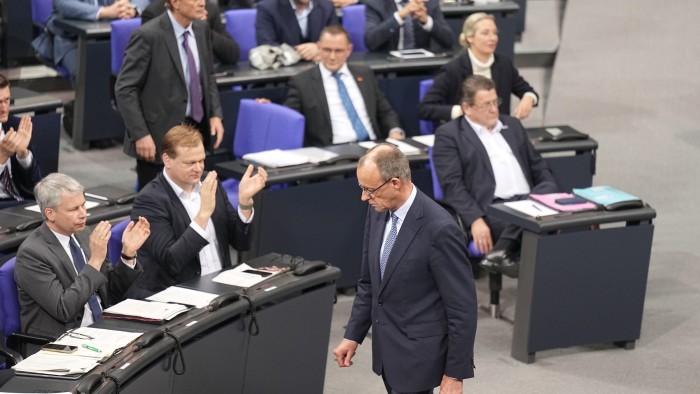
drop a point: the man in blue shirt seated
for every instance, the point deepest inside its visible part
(19, 171)
(294, 22)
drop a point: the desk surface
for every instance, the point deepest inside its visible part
(568, 220)
(25, 100)
(86, 29)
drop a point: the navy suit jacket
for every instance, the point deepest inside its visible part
(447, 86)
(307, 96)
(464, 169)
(24, 179)
(275, 22)
(423, 313)
(170, 255)
(382, 31)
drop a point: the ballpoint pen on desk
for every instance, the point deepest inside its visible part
(94, 349)
(536, 207)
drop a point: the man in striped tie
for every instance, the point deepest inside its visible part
(19, 171)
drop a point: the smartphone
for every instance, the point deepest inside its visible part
(55, 347)
(571, 200)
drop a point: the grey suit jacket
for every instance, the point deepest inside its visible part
(307, 96)
(151, 90)
(423, 312)
(51, 295)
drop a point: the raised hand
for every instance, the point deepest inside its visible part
(251, 185)
(135, 235)
(98, 244)
(207, 195)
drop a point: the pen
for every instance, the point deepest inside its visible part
(94, 349)
(536, 207)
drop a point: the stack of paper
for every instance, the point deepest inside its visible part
(181, 295)
(55, 364)
(246, 276)
(149, 311)
(531, 208)
(276, 158)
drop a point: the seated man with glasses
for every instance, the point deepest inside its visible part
(481, 159)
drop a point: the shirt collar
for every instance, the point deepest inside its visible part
(403, 209)
(309, 8)
(180, 192)
(326, 73)
(481, 130)
(177, 27)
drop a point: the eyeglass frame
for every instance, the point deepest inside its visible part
(371, 192)
(487, 105)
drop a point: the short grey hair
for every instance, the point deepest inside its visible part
(50, 190)
(390, 162)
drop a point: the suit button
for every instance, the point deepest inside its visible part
(380, 302)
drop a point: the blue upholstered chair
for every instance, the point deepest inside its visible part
(240, 24)
(119, 38)
(262, 127)
(41, 11)
(426, 126)
(114, 245)
(354, 22)
(10, 314)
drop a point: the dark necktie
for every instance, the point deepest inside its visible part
(195, 88)
(9, 186)
(388, 244)
(79, 262)
(357, 125)
(409, 41)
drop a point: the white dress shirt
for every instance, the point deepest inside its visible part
(401, 214)
(510, 179)
(303, 16)
(340, 121)
(24, 162)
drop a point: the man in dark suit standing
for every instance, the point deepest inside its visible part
(167, 79)
(19, 171)
(192, 219)
(481, 158)
(225, 48)
(341, 103)
(416, 289)
(63, 277)
(297, 23)
(407, 24)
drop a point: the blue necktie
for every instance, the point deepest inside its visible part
(195, 88)
(388, 244)
(357, 125)
(409, 41)
(79, 262)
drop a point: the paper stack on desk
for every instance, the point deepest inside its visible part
(93, 344)
(246, 276)
(147, 311)
(184, 296)
(276, 158)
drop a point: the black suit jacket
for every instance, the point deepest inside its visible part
(150, 88)
(464, 169)
(225, 48)
(382, 31)
(51, 295)
(447, 86)
(306, 95)
(170, 255)
(423, 313)
(24, 179)
(275, 22)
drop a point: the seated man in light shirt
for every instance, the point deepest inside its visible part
(341, 102)
(192, 219)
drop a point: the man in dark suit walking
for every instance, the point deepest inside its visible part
(63, 278)
(192, 219)
(416, 289)
(481, 158)
(341, 103)
(19, 171)
(167, 79)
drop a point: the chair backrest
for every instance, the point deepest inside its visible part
(9, 310)
(268, 126)
(41, 11)
(121, 33)
(114, 245)
(426, 126)
(354, 23)
(240, 24)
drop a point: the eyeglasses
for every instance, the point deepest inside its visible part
(371, 192)
(77, 335)
(486, 105)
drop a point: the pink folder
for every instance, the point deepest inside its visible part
(548, 200)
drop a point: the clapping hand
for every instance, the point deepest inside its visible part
(135, 235)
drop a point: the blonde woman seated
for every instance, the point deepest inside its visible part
(479, 38)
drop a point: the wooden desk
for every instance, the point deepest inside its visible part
(579, 286)
(94, 119)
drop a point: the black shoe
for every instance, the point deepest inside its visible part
(500, 262)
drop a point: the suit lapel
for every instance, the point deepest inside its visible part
(57, 250)
(410, 227)
(171, 44)
(474, 141)
(288, 14)
(320, 93)
(366, 91)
